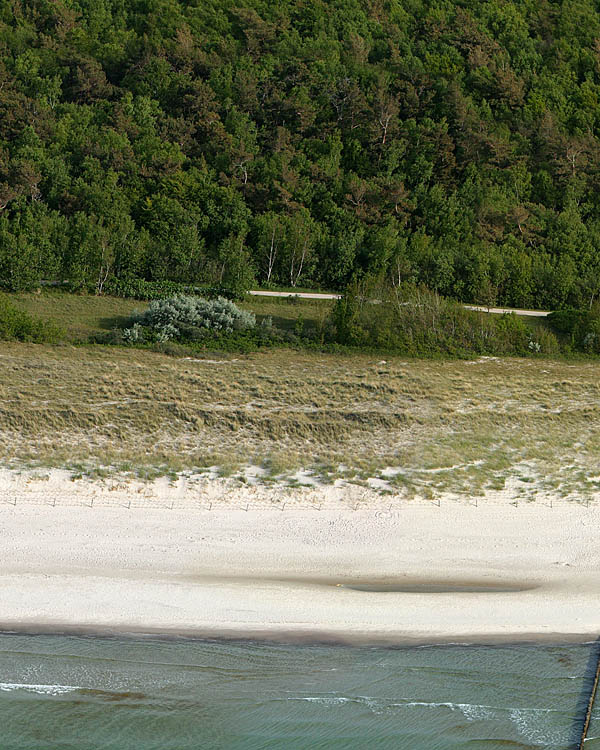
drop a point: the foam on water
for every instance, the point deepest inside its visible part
(537, 732)
(7, 687)
(471, 711)
(372, 704)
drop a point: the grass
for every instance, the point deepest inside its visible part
(82, 316)
(289, 314)
(443, 426)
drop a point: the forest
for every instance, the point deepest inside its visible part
(303, 143)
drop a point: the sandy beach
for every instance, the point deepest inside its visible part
(457, 572)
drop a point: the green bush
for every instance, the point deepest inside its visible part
(415, 321)
(581, 326)
(17, 325)
(189, 319)
(566, 321)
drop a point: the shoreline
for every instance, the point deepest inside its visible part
(413, 576)
(308, 639)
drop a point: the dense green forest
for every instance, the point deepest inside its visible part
(303, 142)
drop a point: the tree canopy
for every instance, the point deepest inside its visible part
(451, 143)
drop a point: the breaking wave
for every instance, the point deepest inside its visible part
(8, 687)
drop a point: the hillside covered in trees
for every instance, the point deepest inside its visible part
(303, 142)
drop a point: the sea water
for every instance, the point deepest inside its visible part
(61, 692)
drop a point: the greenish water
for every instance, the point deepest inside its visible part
(59, 692)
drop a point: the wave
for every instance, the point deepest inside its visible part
(337, 700)
(7, 687)
(470, 710)
(527, 721)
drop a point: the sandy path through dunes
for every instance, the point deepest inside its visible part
(274, 574)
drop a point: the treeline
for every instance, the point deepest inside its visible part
(229, 142)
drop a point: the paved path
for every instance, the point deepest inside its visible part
(502, 310)
(302, 295)
(323, 295)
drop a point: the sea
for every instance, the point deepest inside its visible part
(88, 693)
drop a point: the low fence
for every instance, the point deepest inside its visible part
(284, 502)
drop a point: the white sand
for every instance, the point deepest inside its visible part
(271, 573)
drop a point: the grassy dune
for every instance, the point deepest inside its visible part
(422, 426)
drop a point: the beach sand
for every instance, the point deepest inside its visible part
(268, 573)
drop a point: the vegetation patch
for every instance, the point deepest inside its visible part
(372, 316)
(420, 427)
(142, 289)
(415, 321)
(580, 327)
(17, 325)
(186, 318)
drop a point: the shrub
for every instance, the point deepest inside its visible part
(567, 321)
(582, 327)
(415, 321)
(187, 318)
(17, 325)
(133, 335)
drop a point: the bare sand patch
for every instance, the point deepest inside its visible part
(455, 572)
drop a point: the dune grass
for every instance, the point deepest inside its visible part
(422, 427)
